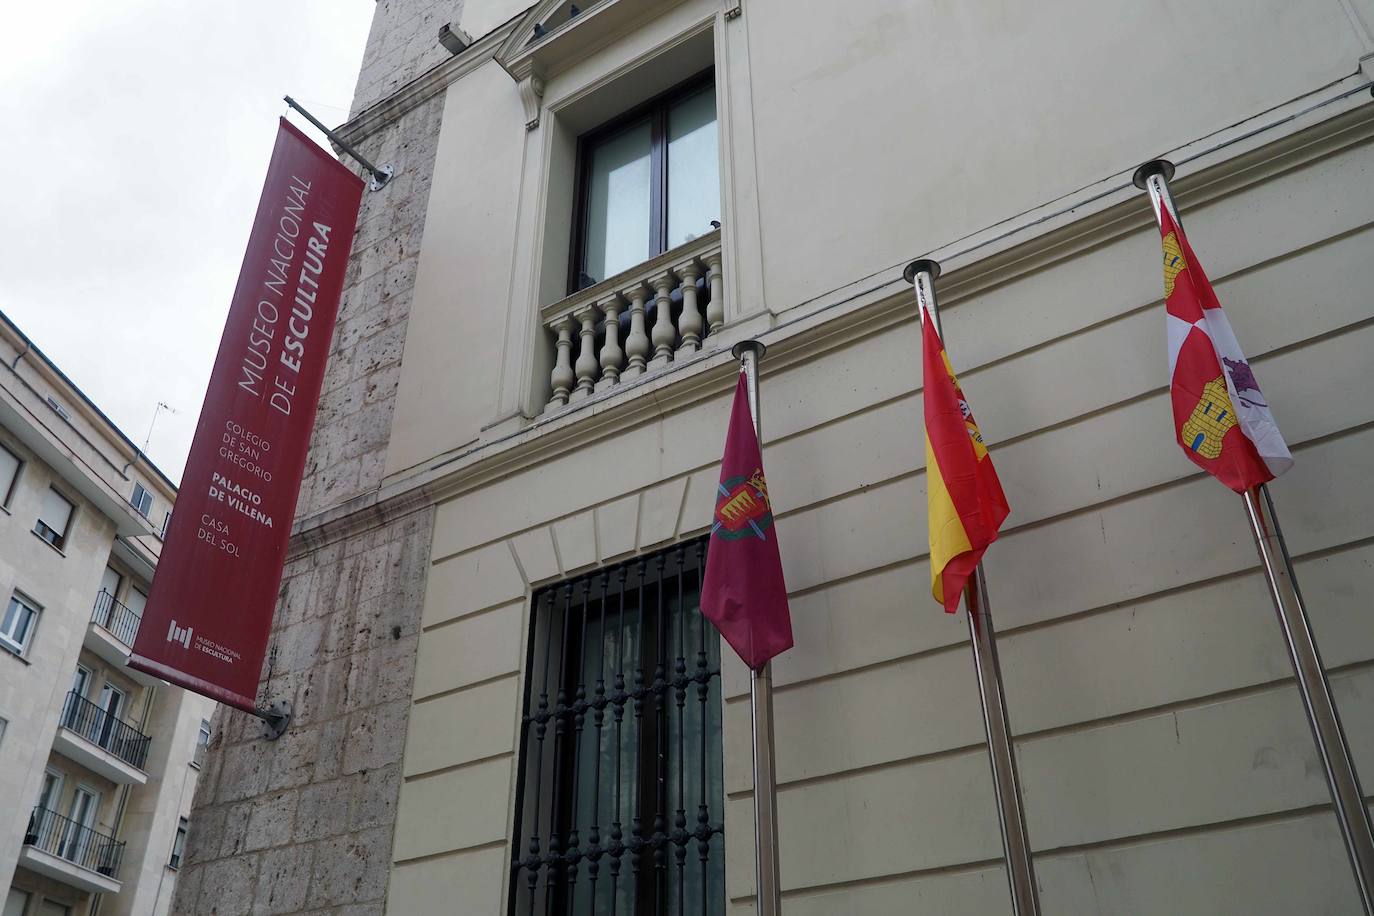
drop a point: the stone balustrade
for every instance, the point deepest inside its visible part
(635, 322)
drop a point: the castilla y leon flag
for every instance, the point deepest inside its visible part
(1220, 417)
(964, 495)
(743, 593)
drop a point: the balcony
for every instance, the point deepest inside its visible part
(66, 851)
(661, 310)
(101, 742)
(111, 635)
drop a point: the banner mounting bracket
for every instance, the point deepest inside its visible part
(380, 174)
(275, 719)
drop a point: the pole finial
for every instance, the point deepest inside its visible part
(930, 266)
(1153, 167)
(748, 346)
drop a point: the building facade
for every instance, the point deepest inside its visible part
(98, 762)
(506, 700)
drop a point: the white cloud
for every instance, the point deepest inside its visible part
(136, 136)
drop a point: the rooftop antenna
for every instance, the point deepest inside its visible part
(161, 406)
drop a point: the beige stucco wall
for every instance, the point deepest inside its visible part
(1159, 732)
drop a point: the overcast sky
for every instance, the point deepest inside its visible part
(135, 138)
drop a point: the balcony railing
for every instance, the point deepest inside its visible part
(62, 837)
(116, 618)
(104, 730)
(637, 321)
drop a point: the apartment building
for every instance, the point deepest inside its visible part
(506, 699)
(98, 762)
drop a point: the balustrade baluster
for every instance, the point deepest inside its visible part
(715, 309)
(611, 355)
(689, 322)
(663, 334)
(637, 346)
(562, 377)
(587, 364)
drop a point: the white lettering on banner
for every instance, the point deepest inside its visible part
(239, 498)
(263, 332)
(302, 310)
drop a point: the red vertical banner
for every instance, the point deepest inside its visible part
(209, 613)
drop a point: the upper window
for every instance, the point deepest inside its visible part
(54, 518)
(9, 474)
(142, 500)
(650, 181)
(17, 626)
(166, 523)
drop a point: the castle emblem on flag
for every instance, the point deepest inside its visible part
(1174, 263)
(742, 507)
(1210, 420)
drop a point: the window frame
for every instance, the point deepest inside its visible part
(59, 542)
(20, 649)
(179, 844)
(554, 633)
(143, 507)
(656, 110)
(7, 496)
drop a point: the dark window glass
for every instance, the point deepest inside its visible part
(650, 181)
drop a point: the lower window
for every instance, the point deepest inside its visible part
(620, 807)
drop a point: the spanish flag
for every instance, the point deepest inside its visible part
(965, 496)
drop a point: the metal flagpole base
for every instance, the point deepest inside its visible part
(1341, 777)
(1011, 816)
(275, 719)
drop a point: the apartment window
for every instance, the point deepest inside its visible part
(178, 845)
(620, 797)
(9, 474)
(649, 181)
(18, 624)
(166, 523)
(54, 518)
(202, 744)
(4, 723)
(142, 500)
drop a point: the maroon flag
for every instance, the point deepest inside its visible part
(210, 610)
(743, 593)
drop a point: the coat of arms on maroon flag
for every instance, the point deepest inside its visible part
(743, 593)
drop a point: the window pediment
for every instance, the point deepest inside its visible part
(557, 33)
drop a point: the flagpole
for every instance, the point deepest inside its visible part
(1011, 815)
(1318, 703)
(766, 870)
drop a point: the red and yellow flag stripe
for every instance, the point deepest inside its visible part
(966, 503)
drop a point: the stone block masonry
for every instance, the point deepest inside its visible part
(304, 824)
(353, 426)
(403, 43)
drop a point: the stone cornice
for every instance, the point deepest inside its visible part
(999, 254)
(424, 87)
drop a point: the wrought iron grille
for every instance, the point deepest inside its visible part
(117, 618)
(65, 838)
(620, 803)
(109, 732)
